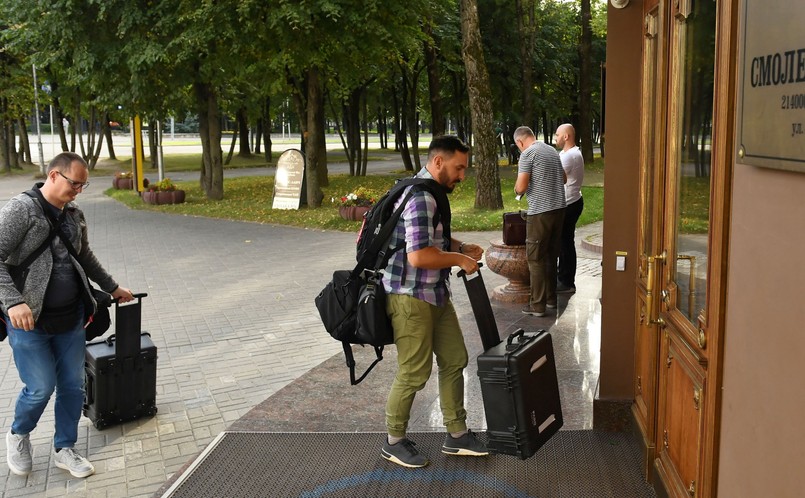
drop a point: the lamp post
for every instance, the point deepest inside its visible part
(38, 128)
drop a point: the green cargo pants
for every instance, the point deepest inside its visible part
(420, 331)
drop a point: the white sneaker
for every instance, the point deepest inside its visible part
(18, 453)
(72, 462)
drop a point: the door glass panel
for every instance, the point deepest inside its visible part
(696, 49)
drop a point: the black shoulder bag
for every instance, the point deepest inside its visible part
(98, 322)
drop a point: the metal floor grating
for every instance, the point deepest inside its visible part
(577, 464)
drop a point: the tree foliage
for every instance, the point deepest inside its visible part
(349, 66)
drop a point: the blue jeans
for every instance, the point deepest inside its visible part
(46, 362)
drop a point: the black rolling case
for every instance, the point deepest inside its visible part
(121, 371)
(521, 393)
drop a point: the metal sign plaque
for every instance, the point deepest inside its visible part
(288, 180)
(771, 113)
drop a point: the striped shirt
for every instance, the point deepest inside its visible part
(546, 190)
(415, 228)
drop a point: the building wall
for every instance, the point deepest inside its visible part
(762, 450)
(621, 176)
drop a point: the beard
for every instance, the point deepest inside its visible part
(444, 181)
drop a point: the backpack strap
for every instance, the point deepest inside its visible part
(351, 362)
(39, 250)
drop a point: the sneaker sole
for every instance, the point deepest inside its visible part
(86, 473)
(534, 313)
(393, 459)
(550, 306)
(462, 452)
(16, 471)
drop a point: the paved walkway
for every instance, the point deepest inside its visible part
(230, 308)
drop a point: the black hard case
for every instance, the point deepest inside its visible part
(121, 371)
(521, 393)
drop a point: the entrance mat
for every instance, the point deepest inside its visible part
(574, 464)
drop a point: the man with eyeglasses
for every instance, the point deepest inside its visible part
(47, 306)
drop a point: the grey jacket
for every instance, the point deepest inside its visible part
(23, 228)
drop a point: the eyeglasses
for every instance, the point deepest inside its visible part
(74, 184)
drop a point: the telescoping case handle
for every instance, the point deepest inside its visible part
(517, 333)
(463, 274)
(138, 296)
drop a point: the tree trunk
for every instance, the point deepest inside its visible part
(5, 162)
(107, 131)
(25, 143)
(487, 193)
(411, 116)
(59, 121)
(585, 134)
(401, 128)
(315, 146)
(365, 126)
(267, 129)
(434, 83)
(94, 155)
(152, 142)
(527, 28)
(212, 169)
(13, 157)
(232, 144)
(243, 127)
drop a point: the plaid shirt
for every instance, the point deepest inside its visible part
(416, 230)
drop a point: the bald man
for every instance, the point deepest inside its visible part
(573, 164)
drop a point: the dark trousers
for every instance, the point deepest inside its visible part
(567, 252)
(543, 238)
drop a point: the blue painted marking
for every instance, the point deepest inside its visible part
(425, 476)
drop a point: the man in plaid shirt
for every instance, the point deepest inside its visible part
(422, 315)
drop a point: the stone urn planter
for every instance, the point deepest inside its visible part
(509, 262)
(353, 213)
(163, 197)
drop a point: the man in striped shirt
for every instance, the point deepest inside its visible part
(422, 315)
(540, 176)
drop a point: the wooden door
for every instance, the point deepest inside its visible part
(652, 132)
(688, 87)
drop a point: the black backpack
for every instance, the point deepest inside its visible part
(375, 256)
(353, 305)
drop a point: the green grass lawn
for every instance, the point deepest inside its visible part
(250, 199)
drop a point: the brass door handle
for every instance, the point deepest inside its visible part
(652, 261)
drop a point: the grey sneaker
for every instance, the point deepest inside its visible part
(18, 453)
(466, 445)
(403, 453)
(72, 462)
(530, 310)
